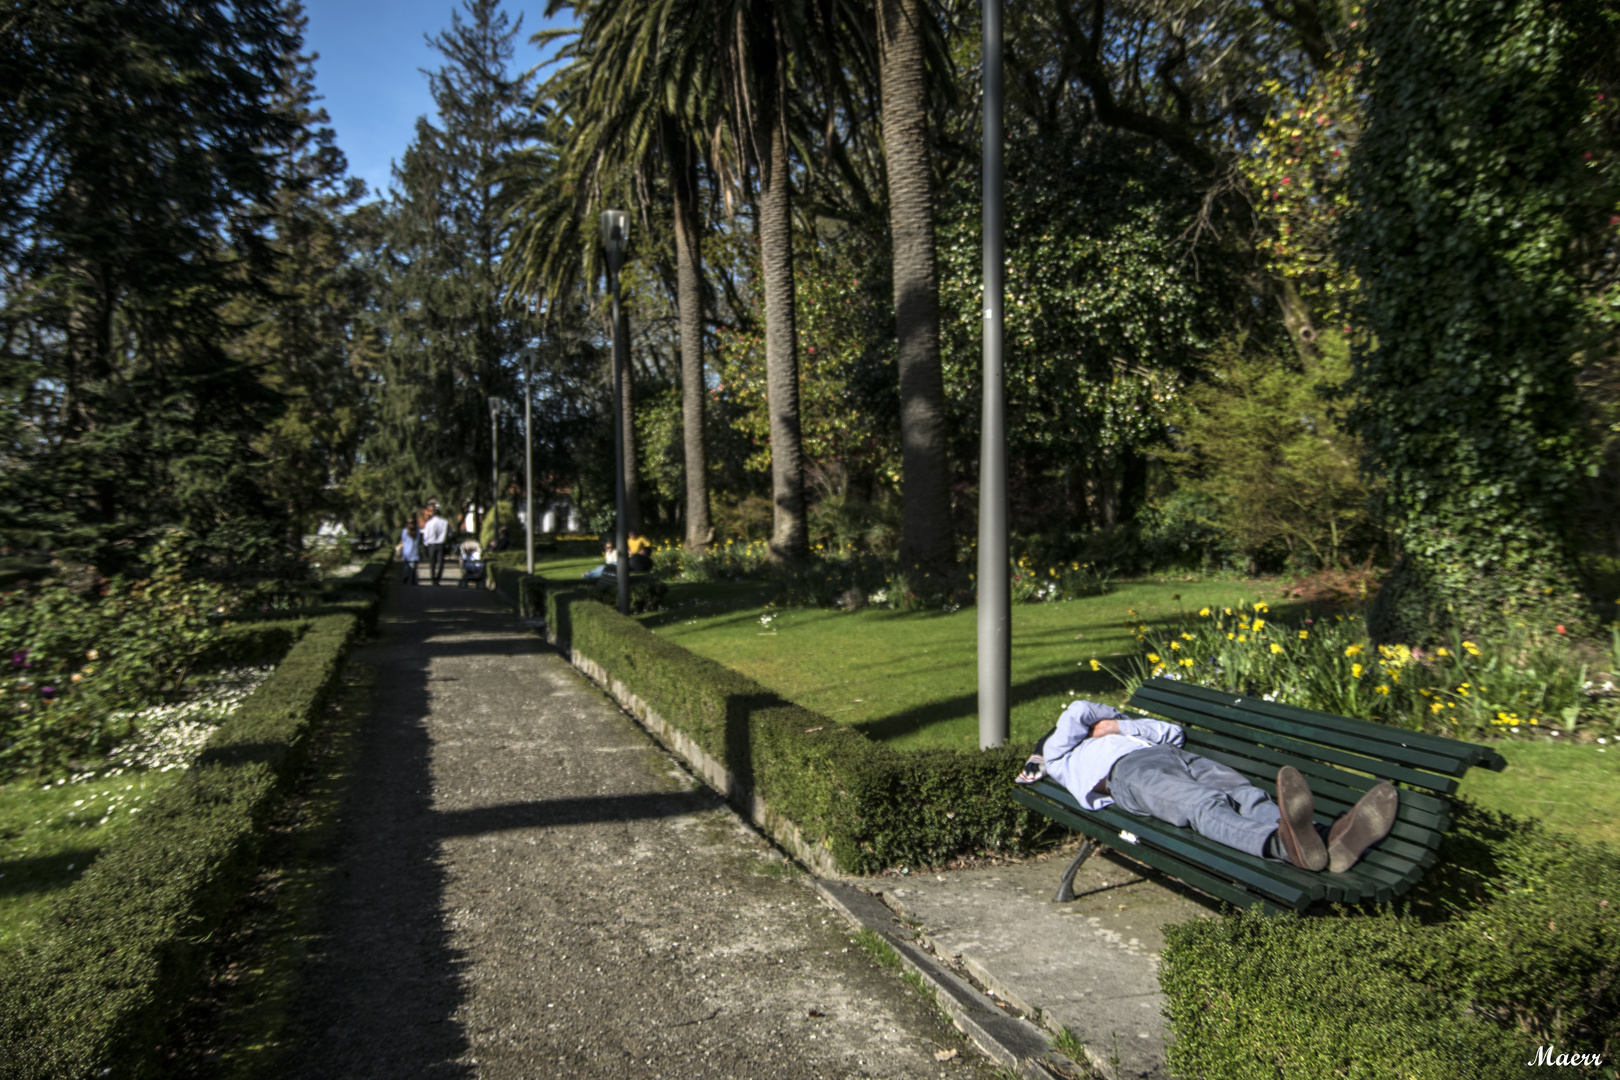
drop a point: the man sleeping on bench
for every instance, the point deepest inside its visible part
(1103, 756)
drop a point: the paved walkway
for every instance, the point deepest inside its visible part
(530, 888)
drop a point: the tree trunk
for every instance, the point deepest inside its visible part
(790, 530)
(632, 490)
(689, 299)
(925, 537)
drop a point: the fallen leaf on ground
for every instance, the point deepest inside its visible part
(817, 1012)
(944, 1055)
(808, 730)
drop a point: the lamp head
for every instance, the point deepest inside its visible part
(616, 232)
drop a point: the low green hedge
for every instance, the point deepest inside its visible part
(526, 592)
(91, 993)
(1512, 942)
(870, 805)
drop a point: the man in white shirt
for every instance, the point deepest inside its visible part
(1104, 757)
(434, 534)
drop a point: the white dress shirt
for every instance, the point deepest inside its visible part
(434, 531)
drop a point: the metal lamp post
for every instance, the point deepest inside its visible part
(494, 470)
(994, 594)
(615, 241)
(528, 455)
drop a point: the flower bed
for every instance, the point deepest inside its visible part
(90, 993)
(1524, 684)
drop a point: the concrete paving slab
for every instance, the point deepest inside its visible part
(1090, 965)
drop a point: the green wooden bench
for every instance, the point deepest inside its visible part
(1340, 757)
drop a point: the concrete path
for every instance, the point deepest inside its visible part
(1090, 965)
(530, 888)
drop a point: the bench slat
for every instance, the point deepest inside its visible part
(1287, 883)
(1269, 731)
(1327, 783)
(1445, 785)
(1470, 754)
(1176, 868)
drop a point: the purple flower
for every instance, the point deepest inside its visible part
(47, 692)
(19, 658)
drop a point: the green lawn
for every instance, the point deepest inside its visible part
(48, 835)
(910, 679)
(1569, 786)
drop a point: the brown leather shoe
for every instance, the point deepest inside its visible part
(1296, 828)
(1366, 823)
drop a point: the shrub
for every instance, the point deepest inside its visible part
(90, 994)
(71, 663)
(1512, 941)
(869, 805)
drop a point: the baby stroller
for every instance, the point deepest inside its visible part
(472, 568)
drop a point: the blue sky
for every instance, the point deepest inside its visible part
(369, 71)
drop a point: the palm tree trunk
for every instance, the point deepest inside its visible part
(689, 299)
(632, 490)
(790, 529)
(925, 535)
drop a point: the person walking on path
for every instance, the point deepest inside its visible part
(434, 535)
(410, 553)
(524, 886)
(1103, 756)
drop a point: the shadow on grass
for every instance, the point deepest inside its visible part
(44, 873)
(954, 708)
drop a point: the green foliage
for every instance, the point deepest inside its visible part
(1261, 442)
(123, 948)
(869, 805)
(1515, 942)
(75, 664)
(506, 514)
(1478, 226)
(1520, 683)
(136, 158)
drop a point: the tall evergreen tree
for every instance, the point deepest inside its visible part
(314, 339)
(135, 150)
(453, 335)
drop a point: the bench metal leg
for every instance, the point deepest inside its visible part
(1065, 891)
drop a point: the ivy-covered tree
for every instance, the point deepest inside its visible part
(1478, 219)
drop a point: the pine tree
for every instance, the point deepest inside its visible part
(315, 340)
(134, 145)
(453, 336)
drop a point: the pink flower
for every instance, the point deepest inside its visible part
(1559, 628)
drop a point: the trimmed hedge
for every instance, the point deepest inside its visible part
(125, 945)
(870, 805)
(526, 592)
(1511, 942)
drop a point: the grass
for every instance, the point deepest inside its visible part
(1569, 786)
(910, 678)
(49, 835)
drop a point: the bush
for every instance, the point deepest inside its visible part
(1512, 941)
(90, 994)
(73, 662)
(868, 805)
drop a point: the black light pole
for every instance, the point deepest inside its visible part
(616, 239)
(528, 454)
(994, 594)
(494, 471)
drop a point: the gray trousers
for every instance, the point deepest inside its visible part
(1168, 783)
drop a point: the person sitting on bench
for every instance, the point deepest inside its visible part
(1104, 757)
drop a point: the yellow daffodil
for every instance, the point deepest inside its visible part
(1259, 625)
(1355, 671)
(1381, 688)
(1442, 651)
(1175, 644)
(1095, 666)
(1353, 650)
(1203, 613)
(1153, 658)
(1276, 648)
(1261, 605)
(1303, 634)
(1186, 661)
(1473, 650)
(1186, 636)
(1436, 707)
(1230, 635)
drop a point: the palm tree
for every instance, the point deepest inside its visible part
(906, 36)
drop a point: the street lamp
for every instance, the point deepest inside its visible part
(615, 241)
(994, 599)
(494, 471)
(528, 455)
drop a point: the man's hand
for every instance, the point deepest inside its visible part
(1105, 727)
